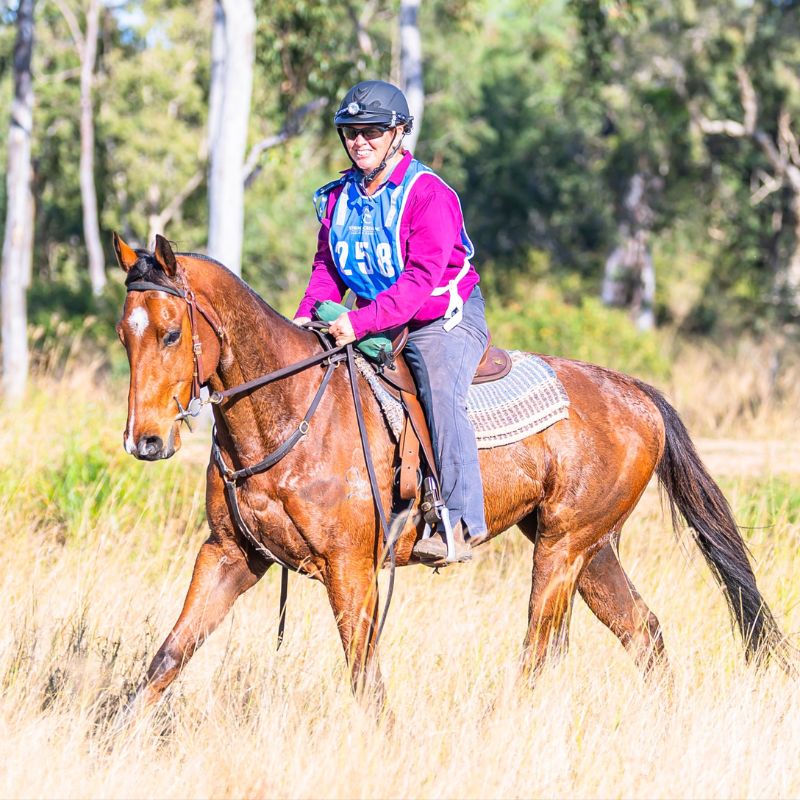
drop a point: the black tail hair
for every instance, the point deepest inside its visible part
(694, 494)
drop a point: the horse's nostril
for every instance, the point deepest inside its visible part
(149, 446)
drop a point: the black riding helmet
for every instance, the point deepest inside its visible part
(374, 103)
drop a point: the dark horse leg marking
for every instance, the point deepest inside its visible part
(613, 599)
(221, 574)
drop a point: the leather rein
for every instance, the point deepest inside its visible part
(330, 357)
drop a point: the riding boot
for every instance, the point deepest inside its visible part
(434, 548)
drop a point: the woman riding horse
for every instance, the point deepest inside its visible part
(392, 233)
(188, 321)
(281, 490)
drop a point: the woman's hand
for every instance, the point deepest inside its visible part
(342, 330)
(300, 321)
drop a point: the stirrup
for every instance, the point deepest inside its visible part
(451, 556)
(435, 554)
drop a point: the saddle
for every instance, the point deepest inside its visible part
(398, 381)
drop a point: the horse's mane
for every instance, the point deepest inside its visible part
(201, 257)
(148, 269)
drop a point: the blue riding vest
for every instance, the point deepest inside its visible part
(364, 235)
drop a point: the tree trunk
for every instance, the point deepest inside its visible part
(27, 244)
(644, 298)
(629, 279)
(614, 290)
(91, 226)
(17, 240)
(411, 65)
(217, 74)
(787, 280)
(232, 79)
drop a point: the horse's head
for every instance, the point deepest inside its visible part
(156, 330)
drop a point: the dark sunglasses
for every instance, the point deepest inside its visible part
(372, 132)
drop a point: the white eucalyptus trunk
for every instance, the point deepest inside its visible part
(644, 307)
(788, 279)
(91, 225)
(233, 55)
(411, 66)
(629, 278)
(18, 240)
(217, 74)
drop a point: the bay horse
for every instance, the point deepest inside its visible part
(569, 489)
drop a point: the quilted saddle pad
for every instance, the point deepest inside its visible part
(526, 401)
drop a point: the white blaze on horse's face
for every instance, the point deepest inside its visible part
(138, 321)
(130, 445)
(157, 336)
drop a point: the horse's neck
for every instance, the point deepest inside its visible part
(256, 340)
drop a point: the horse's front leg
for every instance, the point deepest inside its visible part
(221, 574)
(353, 594)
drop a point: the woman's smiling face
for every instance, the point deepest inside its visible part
(370, 145)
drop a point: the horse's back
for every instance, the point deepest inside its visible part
(609, 405)
(603, 454)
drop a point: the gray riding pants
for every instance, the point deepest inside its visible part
(444, 363)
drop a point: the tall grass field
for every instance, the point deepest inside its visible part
(97, 554)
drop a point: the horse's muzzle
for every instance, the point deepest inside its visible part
(152, 448)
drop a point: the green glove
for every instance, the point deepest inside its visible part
(375, 348)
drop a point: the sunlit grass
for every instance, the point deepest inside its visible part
(98, 551)
(748, 389)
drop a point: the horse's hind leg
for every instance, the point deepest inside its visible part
(556, 566)
(613, 599)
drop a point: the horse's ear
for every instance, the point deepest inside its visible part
(126, 256)
(165, 257)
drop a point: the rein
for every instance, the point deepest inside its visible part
(330, 357)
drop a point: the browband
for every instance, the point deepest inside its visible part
(146, 286)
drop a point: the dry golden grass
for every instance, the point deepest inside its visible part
(747, 390)
(97, 563)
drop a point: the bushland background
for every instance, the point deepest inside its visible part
(630, 175)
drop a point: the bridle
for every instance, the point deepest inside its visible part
(330, 357)
(196, 403)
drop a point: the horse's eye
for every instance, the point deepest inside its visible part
(172, 337)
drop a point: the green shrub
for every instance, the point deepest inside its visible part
(69, 326)
(72, 492)
(540, 320)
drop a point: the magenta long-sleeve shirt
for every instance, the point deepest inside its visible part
(432, 254)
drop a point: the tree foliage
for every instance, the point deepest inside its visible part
(538, 113)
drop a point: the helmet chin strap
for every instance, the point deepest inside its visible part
(369, 177)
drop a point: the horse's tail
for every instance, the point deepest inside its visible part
(693, 493)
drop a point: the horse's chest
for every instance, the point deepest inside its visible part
(295, 514)
(263, 518)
